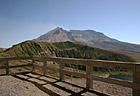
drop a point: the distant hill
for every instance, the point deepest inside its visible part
(91, 38)
(63, 49)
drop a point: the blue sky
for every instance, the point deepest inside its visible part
(22, 20)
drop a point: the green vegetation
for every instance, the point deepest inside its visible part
(63, 49)
(30, 48)
(78, 50)
(99, 71)
(68, 50)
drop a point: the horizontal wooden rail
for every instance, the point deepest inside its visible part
(7, 66)
(15, 58)
(134, 67)
(97, 78)
(16, 66)
(2, 67)
(116, 81)
(64, 71)
(89, 64)
(97, 63)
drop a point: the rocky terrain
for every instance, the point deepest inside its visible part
(10, 86)
(36, 85)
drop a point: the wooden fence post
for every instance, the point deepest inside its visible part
(33, 68)
(136, 79)
(7, 67)
(44, 67)
(89, 82)
(61, 67)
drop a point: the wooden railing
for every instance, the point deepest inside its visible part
(7, 66)
(134, 67)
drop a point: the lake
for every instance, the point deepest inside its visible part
(122, 77)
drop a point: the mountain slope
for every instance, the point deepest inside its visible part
(78, 50)
(63, 49)
(91, 38)
(2, 50)
(30, 48)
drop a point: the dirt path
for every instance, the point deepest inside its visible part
(36, 85)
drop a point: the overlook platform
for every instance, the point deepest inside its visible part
(85, 83)
(32, 84)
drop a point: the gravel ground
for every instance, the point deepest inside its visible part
(36, 85)
(10, 86)
(110, 89)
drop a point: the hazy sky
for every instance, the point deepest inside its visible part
(22, 20)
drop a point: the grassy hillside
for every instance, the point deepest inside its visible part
(78, 50)
(30, 48)
(63, 49)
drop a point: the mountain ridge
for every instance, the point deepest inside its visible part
(91, 38)
(63, 49)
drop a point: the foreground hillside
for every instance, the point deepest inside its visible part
(63, 49)
(30, 48)
(91, 38)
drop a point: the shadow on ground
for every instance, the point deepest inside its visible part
(55, 87)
